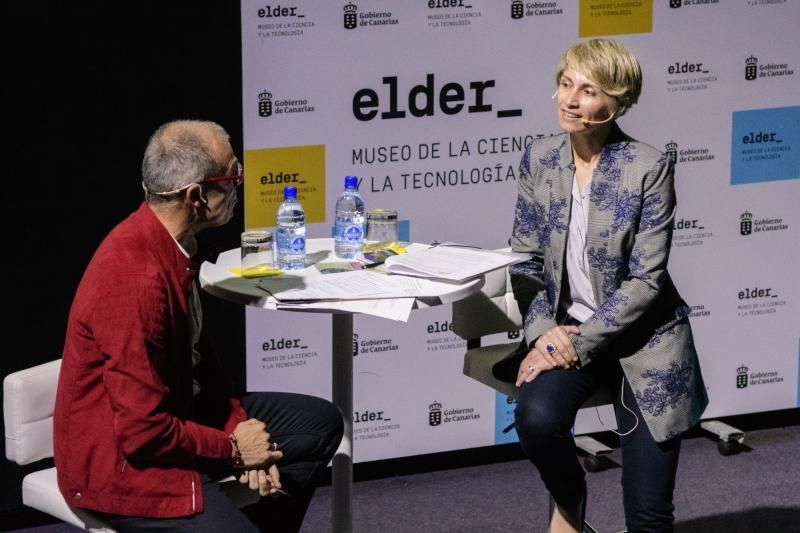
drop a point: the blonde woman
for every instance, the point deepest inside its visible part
(595, 212)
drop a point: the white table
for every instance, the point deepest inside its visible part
(216, 279)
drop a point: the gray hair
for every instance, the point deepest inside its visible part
(177, 155)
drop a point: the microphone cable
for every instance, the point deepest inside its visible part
(622, 401)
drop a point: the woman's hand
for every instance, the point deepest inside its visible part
(540, 359)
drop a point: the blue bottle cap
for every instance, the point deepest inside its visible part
(290, 192)
(351, 182)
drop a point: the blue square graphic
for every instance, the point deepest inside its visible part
(765, 145)
(404, 230)
(503, 418)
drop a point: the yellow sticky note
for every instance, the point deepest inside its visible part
(268, 170)
(394, 246)
(614, 17)
(258, 271)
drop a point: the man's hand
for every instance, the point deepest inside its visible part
(252, 440)
(539, 359)
(266, 481)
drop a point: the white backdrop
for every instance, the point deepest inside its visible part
(429, 103)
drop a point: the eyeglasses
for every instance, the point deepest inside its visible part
(236, 176)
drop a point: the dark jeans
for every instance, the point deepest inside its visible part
(544, 417)
(308, 430)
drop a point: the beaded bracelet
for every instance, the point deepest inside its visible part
(238, 464)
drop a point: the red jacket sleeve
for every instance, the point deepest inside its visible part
(237, 415)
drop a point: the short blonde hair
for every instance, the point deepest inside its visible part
(610, 65)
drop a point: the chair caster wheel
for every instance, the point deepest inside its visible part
(592, 463)
(728, 447)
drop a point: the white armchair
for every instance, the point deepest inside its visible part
(29, 397)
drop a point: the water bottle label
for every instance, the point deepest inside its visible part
(353, 233)
(298, 245)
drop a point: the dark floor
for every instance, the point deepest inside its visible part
(757, 490)
(754, 491)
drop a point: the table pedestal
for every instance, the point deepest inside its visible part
(216, 279)
(342, 359)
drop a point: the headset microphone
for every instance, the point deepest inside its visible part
(554, 95)
(203, 198)
(587, 123)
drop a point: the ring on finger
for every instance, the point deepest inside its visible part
(550, 347)
(273, 446)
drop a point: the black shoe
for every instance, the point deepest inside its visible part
(574, 514)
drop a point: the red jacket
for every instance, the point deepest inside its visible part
(126, 438)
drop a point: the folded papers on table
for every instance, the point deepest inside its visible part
(450, 263)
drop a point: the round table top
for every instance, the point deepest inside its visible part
(218, 280)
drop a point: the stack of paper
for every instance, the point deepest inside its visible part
(435, 270)
(449, 263)
(355, 285)
(359, 291)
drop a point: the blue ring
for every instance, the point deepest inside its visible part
(550, 347)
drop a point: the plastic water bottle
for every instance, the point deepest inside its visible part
(349, 231)
(291, 233)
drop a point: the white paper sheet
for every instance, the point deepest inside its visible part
(448, 263)
(356, 285)
(397, 309)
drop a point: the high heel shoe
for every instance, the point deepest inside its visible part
(575, 515)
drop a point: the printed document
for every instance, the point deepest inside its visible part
(355, 285)
(449, 263)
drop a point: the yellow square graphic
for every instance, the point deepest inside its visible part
(614, 17)
(268, 170)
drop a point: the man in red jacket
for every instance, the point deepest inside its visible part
(144, 417)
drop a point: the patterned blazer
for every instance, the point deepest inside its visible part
(640, 319)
